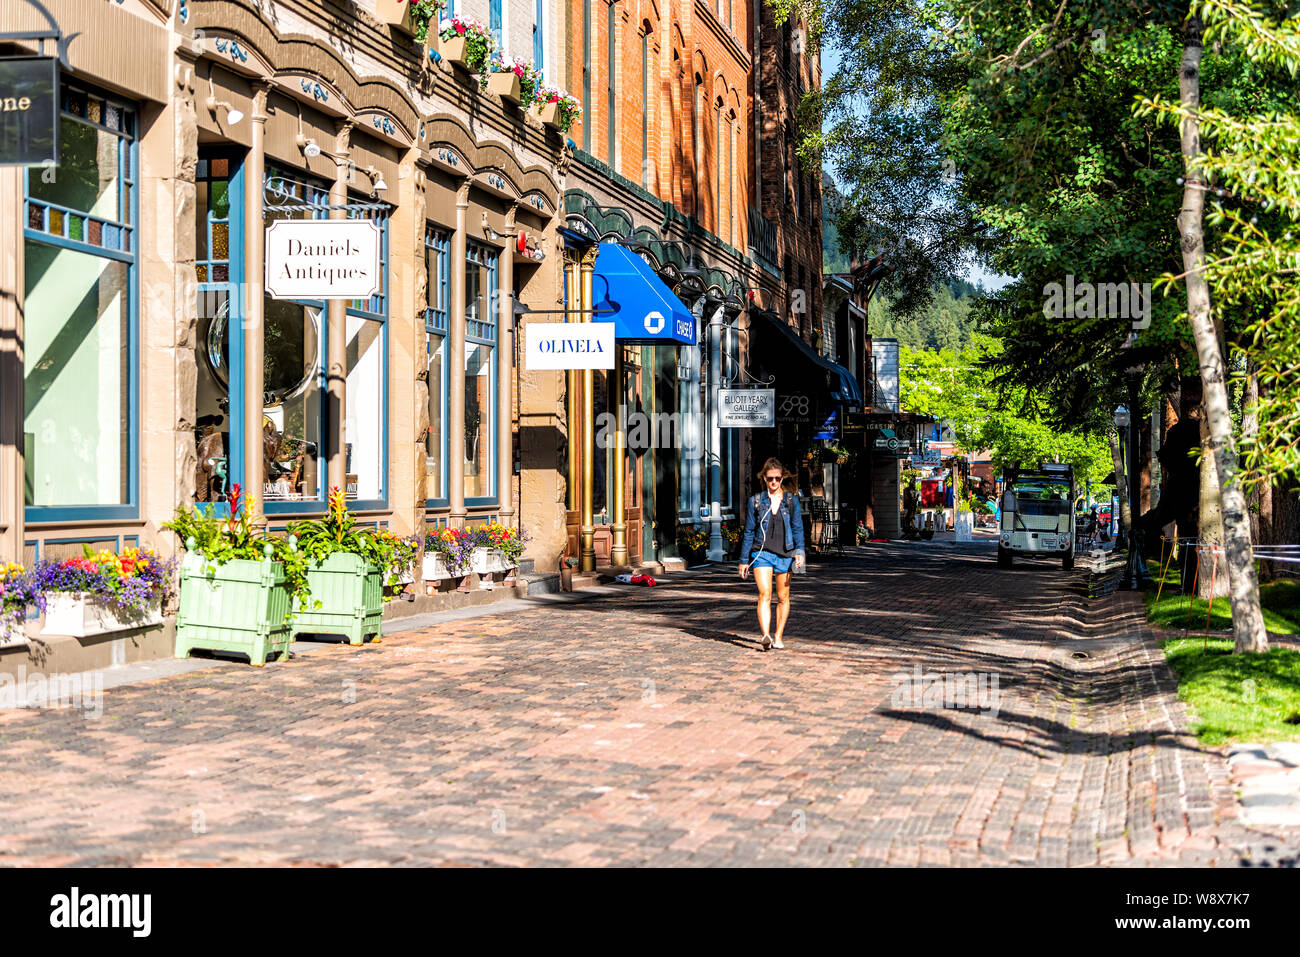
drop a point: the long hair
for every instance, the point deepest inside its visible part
(787, 476)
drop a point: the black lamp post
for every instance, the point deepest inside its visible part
(1121, 427)
(1133, 379)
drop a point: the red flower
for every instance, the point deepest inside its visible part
(460, 29)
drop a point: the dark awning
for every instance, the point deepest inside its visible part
(842, 385)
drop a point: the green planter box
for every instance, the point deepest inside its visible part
(351, 596)
(241, 606)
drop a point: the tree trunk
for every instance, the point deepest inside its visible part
(1212, 582)
(1250, 429)
(1247, 618)
(1121, 484)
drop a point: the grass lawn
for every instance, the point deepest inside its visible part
(1249, 697)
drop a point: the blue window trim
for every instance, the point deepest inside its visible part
(128, 164)
(235, 330)
(539, 37)
(494, 23)
(489, 256)
(435, 324)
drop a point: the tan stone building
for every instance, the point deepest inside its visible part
(145, 366)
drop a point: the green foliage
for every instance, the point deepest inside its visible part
(948, 321)
(958, 388)
(1254, 206)
(337, 532)
(219, 540)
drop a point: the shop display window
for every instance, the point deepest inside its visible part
(481, 293)
(79, 434)
(437, 261)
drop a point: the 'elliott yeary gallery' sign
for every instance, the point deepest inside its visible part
(569, 345)
(746, 408)
(322, 259)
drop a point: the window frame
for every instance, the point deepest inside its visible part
(438, 239)
(128, 163)
(486, 336)
(316, 191)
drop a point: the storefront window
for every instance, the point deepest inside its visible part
(363, 432)
(79, 368)
(76, 434)
(480, 371)
(293, 382)
(297, 420)
(218, 359)
(437, 258)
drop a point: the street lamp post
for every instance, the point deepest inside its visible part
(1133, 378)
(1121, 426)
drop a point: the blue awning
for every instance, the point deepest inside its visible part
(647, 310)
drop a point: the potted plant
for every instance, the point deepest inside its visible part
(448, 553)
(102, 592)
(515, 79)
(17, 594)
(467, 43)
(409, 16)
(557, 108)
(237, 584)
(347, 569)
(693, 541)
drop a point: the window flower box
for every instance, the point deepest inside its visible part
(81, 615)
(549, 114)
(486, 560)
(240, 606)
(397, 13)
(347, 598)
(435, 568)
(12, 635)
(467, 44)
(506, 86)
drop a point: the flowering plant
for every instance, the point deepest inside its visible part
(222, 539)
(131, 581)
(422, 13)
(337, 532)
(530, 78)
(455, 546)
(694, 538)
(479, 43)
(570, 105)
(510, 542)
(17, 593)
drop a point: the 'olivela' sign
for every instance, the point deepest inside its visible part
(322, 259)
(569, 345)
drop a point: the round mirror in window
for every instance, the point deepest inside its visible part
(291, 350)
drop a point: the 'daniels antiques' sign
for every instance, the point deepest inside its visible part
(322, 259)
(29, 129)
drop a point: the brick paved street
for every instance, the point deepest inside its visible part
(649, 729)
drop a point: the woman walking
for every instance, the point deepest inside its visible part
(773, 543)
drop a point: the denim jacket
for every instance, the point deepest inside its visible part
(760, 506)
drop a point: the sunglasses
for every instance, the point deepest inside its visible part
(773, 478)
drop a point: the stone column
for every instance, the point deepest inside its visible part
(456, 326)
(713, 460)
(408, 387)
(336, 462)
(12, 290)
(505, 377)
(254, 312)
(572, 294)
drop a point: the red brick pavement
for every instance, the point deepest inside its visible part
(649, 729)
